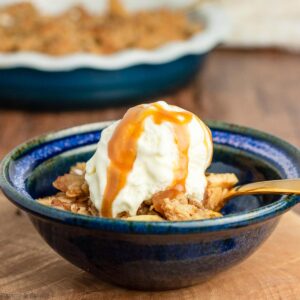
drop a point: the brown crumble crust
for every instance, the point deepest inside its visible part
(74, 193)
(74, 196)
(23, 28)
(217, 187)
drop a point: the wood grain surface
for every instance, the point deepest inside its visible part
(254, 88)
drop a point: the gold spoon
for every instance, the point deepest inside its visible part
(283, 187)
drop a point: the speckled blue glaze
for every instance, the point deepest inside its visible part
(153, 255)
(86, 87)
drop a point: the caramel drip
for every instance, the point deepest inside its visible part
(122, 148)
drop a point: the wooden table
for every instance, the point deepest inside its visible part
(254, 88)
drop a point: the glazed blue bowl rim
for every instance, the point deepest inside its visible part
(116, 225)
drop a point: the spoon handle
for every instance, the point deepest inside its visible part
(285, 186)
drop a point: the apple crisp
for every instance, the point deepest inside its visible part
(74, 196)
(23, 28)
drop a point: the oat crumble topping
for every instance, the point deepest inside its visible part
(73, 196)
(23, 28)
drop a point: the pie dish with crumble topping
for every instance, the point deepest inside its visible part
(98, 54)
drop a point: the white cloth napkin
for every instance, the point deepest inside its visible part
(263, 23)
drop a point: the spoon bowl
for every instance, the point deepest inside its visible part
(273, 187)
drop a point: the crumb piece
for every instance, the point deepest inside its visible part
(180, 209)
(78, 169)
(158, 199)
(116, 9)
(217, 187)
(123, 215)
(73, 193)
(225, 180)
(73, 183)
(215, 198)
(153, 218)
(146, 208)
(75, 205)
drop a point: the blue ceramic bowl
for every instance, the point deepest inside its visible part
(153, 255)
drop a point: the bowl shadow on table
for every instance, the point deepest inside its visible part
(85, 88)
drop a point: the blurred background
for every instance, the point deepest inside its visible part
(65, 63)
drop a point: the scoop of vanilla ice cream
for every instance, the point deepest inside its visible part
(153, 168)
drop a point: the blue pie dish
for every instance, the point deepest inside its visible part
(88, 87)
(153, 255)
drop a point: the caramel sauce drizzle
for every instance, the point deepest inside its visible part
(122, 149)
